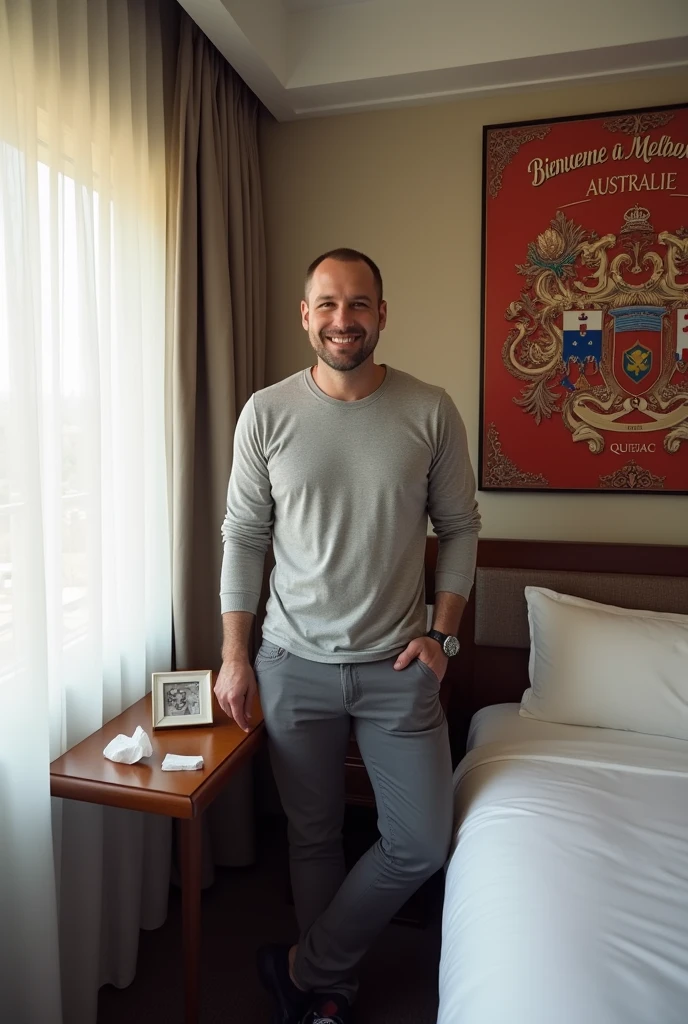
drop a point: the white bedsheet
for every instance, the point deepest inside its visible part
(567, 888)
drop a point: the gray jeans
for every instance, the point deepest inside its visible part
(401, 733)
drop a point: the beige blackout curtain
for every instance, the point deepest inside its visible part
(217, 340)
(216, 360)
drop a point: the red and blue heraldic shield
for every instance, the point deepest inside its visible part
(582, 336)
(682, 335)
(638, 347)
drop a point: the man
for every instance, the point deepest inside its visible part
(340, 465)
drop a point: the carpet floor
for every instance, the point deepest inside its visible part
(246, 907)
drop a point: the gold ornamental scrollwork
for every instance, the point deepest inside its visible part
(638, 124)
(501, 471)
(569, 268)
(503, 145)
(632, 477)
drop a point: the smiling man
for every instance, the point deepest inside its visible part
(344, 333)
(340, 466)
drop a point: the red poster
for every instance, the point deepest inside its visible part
(585, 304)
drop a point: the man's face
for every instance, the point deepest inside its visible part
(342, 313)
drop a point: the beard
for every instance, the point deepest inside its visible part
(344, 358)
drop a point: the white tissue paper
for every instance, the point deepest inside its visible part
(182, 762)
(129, 749)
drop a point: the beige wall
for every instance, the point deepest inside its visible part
(405, 187)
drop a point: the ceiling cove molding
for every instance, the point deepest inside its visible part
(254, 36)
(481, 81)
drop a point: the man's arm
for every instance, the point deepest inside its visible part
(247, 526)
(235, 686)
(454, 515)
(246, 531)
(236, 635)
(452, 506)
(447, 612)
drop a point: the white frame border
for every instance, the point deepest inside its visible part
(204, 677)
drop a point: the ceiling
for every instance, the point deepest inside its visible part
(310, 58)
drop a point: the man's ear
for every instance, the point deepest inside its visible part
(304, 314)
(383, 315)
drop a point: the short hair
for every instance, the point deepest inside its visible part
(345, 256)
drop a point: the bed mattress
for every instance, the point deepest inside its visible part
(567, 886)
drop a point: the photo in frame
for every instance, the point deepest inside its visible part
(180, 699)
(584, 361)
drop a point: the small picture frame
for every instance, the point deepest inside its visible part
(180, 699)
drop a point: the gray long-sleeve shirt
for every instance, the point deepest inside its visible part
(344, 490)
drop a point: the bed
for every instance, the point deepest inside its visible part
(566, 895)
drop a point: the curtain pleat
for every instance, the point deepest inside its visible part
(217, 323)
(216, 344)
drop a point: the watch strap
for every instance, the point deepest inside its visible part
(448, 643)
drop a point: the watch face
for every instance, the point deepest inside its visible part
(451, 646)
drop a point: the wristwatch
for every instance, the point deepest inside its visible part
(450, 645)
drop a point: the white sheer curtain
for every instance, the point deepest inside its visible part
(84, 537)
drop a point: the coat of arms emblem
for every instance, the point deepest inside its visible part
(600, 332)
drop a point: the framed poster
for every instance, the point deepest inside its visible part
(584, 382)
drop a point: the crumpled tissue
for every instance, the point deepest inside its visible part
(182, 762)
(129, 749)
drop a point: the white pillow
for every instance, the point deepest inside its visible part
(617, 668)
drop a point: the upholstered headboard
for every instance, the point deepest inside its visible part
(492, 666)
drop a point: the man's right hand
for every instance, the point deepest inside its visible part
(236, 690)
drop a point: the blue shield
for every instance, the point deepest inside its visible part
(637, 362)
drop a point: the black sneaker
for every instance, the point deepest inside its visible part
(328, 1008)
(273, 970)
